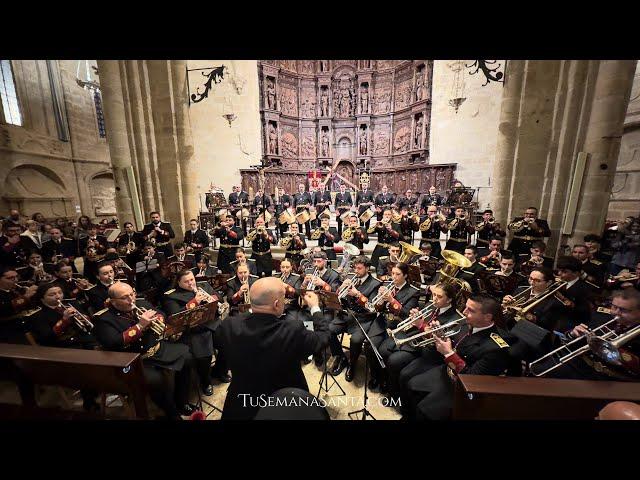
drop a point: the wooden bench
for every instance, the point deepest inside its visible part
(483, 397)
(100, 371)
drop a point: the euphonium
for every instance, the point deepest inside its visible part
(347, 234)
(286, 241)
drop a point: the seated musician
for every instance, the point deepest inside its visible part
(623, 365)
(469, 274)
(388, 232)
(58, 247)
(238, 288)
(241, 259)
(535, 258)
(200, 339)
(361, 289)
(261, 249)
(148, 272)
(592, 270)
(95, 240)
(481, 350)
(327, 237)
(99, 293)
(13, 302)
(292, 282)
(180, 255)
(122, 328)
(580, 293)
(196, 239)
(399, 298)
(632, 283)
(427, 262)
(130, 244)
(328, 280)
(386, 263)
(296, 244)
(490, 256)
(203, 269)
(594, 243)
(71, 287)
(507, 265)
(405, 361)
(91, 260)
(120, 267)
(359, 236)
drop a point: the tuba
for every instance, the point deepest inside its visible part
(408, 252)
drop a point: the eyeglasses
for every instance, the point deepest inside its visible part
(616, 308)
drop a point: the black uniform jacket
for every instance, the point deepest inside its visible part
(97, 295)
(233, 286)
(66, 248)
(41, 325)
(481, 353)
(251, 263)
(264, 354)
(407, 297)
(200, 237)
(165, 226)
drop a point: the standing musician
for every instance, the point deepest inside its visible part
(408, 224)
(99, 293)
(432, 198)
(387, 262)
(11, 249)
(359, 235)
(261, 240)
(459, 229)
(186, 295)
(95, 240)
(71, 287)
(294, 242)
(527, 230)
(592, 270)
(241, 259)
(327, 237)
(237, 201)
(407, 201)
(160, 233)
(122, 328)
(238, 288)
(431, 225)
(480, 351)
(322, 200)
(181, 255)
(58, 247)
(262, 202)
(292, 282)
(343, 202)
(388, 232)
(364, 200)
(230, 236)
(203, 269)
(130, 244)
(399, 298)
(283, 202)
(487, 229)
(490, 257)
(13, 301)
(384, 200)
(361, 289)
(196, 239)
(302, 201)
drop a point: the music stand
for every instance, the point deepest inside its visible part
(184, 321)
(365, 412)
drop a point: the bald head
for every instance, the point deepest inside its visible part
(620, 411)
(119, 289)
(264, 294)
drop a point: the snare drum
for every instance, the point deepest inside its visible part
(286, 217)
(367, 214)
(244, 213)
(303, 217)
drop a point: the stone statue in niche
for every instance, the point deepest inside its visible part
(418, 136)
(419, 87)
(271, 94)
(325, 144)
(309, 107)
(363, 140)
(345, 102)
(324, 103)
(273, 140)
(364, 99)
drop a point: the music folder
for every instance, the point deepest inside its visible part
(328, 299)
(181, 321)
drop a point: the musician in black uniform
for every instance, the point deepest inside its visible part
(407, 201)
(241, 259)
(292, 282)
(13, 301)
(592, 270)
(387, 262)
(490, 256)
(12, 252)
(120, 328)
(322, 200)
(58, 247)
(302, 201)
(181, 255)
(130, 244)
(99, 293)
(148, 271)
(536, 258)
(196, 239)
(230, 236)
(261, 249)
(327, 237)
(296, 245)
(510, 281)
(203, 269)
(435, 227)
(459, 230)
(162, 232)
(238, 288)
(593, 243)
(262, 202)
(469, 273)
(71, 287)
(360, 290)
(200, 339)
(488, 228)
(364, 201)
(94, 239)
(393, 307)
(432, 198)
(343, 202)
(237, 201)
(283, 202)
(579, 291)
(388, 232)
(383, 200)
(360, 236)
(527, 230)
(481, 350)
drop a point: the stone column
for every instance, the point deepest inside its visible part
(186, 157)
(117, 138)
(507, 136)
(602, 143)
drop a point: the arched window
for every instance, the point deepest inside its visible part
(10, 106)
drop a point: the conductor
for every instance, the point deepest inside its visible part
(265, 352)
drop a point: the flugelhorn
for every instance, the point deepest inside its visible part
(82, 321)
(347, 234)
(157, 324)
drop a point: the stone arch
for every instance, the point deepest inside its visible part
(103, 194)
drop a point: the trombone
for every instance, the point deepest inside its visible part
(428, 336)
(408, 323)
(522, 305)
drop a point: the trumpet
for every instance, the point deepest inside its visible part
(378, 223)
(371, 304)
(78, 280)
(157, 324)
(426, 225)
(454, 223)
(81, 321)
(408, 323)
(251, 236)
(311, 284)
(247, 297)
(428, 336)
(315, 235)
(348, 283)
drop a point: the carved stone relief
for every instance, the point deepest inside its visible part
(308, 144)
(402, 139)
(381, 140)
(288, 65)
(289, 101)
(289, 145)
(418, 134)
(308, 104)
(383, 64)
(306, 66)
(403, 94)
(364, 98)
(273, 139)
(344, 96)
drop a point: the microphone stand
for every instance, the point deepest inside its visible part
(365, 412)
